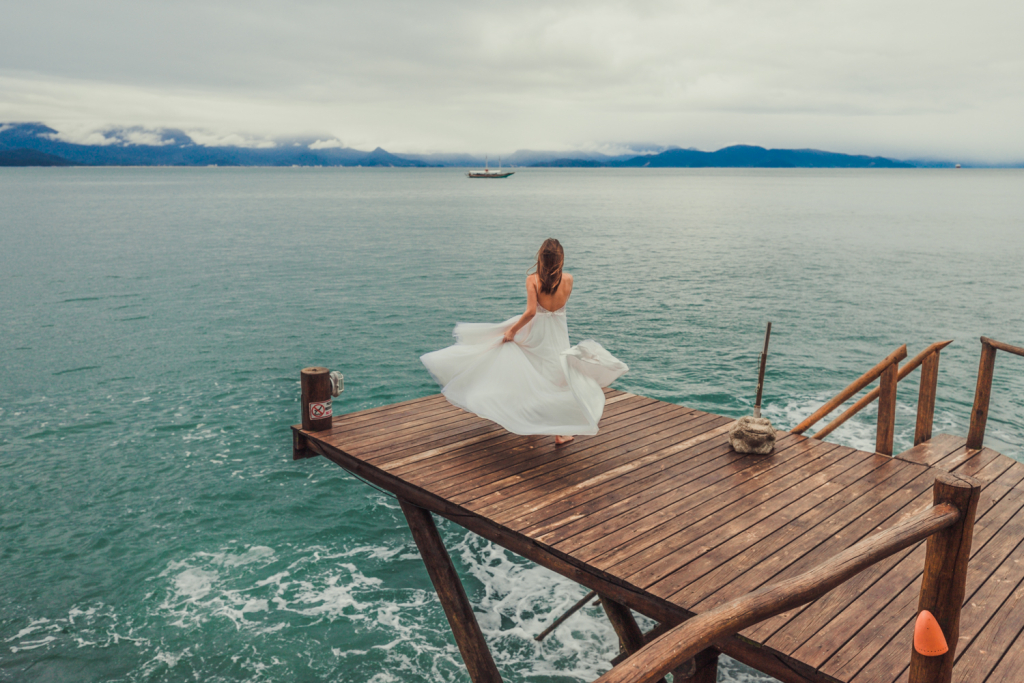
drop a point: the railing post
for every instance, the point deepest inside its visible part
(945, 575)
(886, 429)
(926, 398)
(982, 393)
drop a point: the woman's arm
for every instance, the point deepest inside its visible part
(531, 310)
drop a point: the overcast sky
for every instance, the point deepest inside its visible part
(915, 79)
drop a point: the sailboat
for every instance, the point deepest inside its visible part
(488, 173)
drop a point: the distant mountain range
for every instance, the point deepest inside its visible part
(35, 144)
(175, 148)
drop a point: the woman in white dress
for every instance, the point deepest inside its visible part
(522, 373)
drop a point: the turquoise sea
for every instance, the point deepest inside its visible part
(153, 524)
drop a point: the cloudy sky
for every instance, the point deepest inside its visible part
(911, 79)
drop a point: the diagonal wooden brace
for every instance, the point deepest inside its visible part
(468, 635)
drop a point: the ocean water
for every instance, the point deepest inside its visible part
(153, 525)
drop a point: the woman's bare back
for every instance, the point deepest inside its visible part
(558, 298)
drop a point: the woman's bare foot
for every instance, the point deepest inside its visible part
(559, 440)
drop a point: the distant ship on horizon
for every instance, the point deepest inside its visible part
(488, 173)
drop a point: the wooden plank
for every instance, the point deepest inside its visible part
(684, 641)
(986, 465)
(789, 632)
(699, 466)
(649, 524)
(368, 418)
(692, 554)
(631, 485)
(414, 436)
(456, 461)
(673, 497)
(619, 456)
(953, 461)
(796, 532)
(505, 471)
(393, 426)
(932, 451)
(880, 650)
(355, 423)
(655, 560)
(404, 463)
(401, 444)
(648, 454)
(883, 615)
(375, 446)
(521, 480)
(468, 635)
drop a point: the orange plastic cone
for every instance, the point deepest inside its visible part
(928, 638)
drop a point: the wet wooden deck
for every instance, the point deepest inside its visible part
(659, 513)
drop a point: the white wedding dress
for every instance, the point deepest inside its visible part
(535, 385)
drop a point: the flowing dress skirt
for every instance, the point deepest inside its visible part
(537, 384)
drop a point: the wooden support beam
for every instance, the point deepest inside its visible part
(926, 398)
(468, 635)
(703, 668)
(317, 412)
(580, 604)
(982, 394)
(886, 430)
(945, 575)
(630, 636)
(300, 446)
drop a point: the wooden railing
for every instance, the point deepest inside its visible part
(948, 525)
(891, 374)
(983, 391)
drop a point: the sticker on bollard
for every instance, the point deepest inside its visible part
(318, 411)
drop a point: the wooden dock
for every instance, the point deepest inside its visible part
(658, 513)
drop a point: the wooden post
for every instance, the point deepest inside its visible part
(630, 635)
(468, 635)
(886, 429)
(926, 398)
(945, 575)
(858, 384)
(316, 399)
(703, 668)
(300, 446)
(982, 393)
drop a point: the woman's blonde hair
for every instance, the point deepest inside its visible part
(550, 258)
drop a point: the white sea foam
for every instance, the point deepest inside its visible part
(283, 593)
